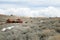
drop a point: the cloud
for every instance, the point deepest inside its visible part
(31, 3)
(30, 7)
(47, 12)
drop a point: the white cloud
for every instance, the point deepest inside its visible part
(29, 3)
(50, 11)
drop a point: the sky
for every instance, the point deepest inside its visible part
(30, 8)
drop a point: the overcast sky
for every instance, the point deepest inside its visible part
(31, 8)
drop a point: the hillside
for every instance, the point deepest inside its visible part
(40, 28)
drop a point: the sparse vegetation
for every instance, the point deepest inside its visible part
(31, 29)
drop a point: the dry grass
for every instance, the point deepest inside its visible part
(31, 28)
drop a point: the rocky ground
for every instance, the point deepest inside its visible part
(40, 28)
